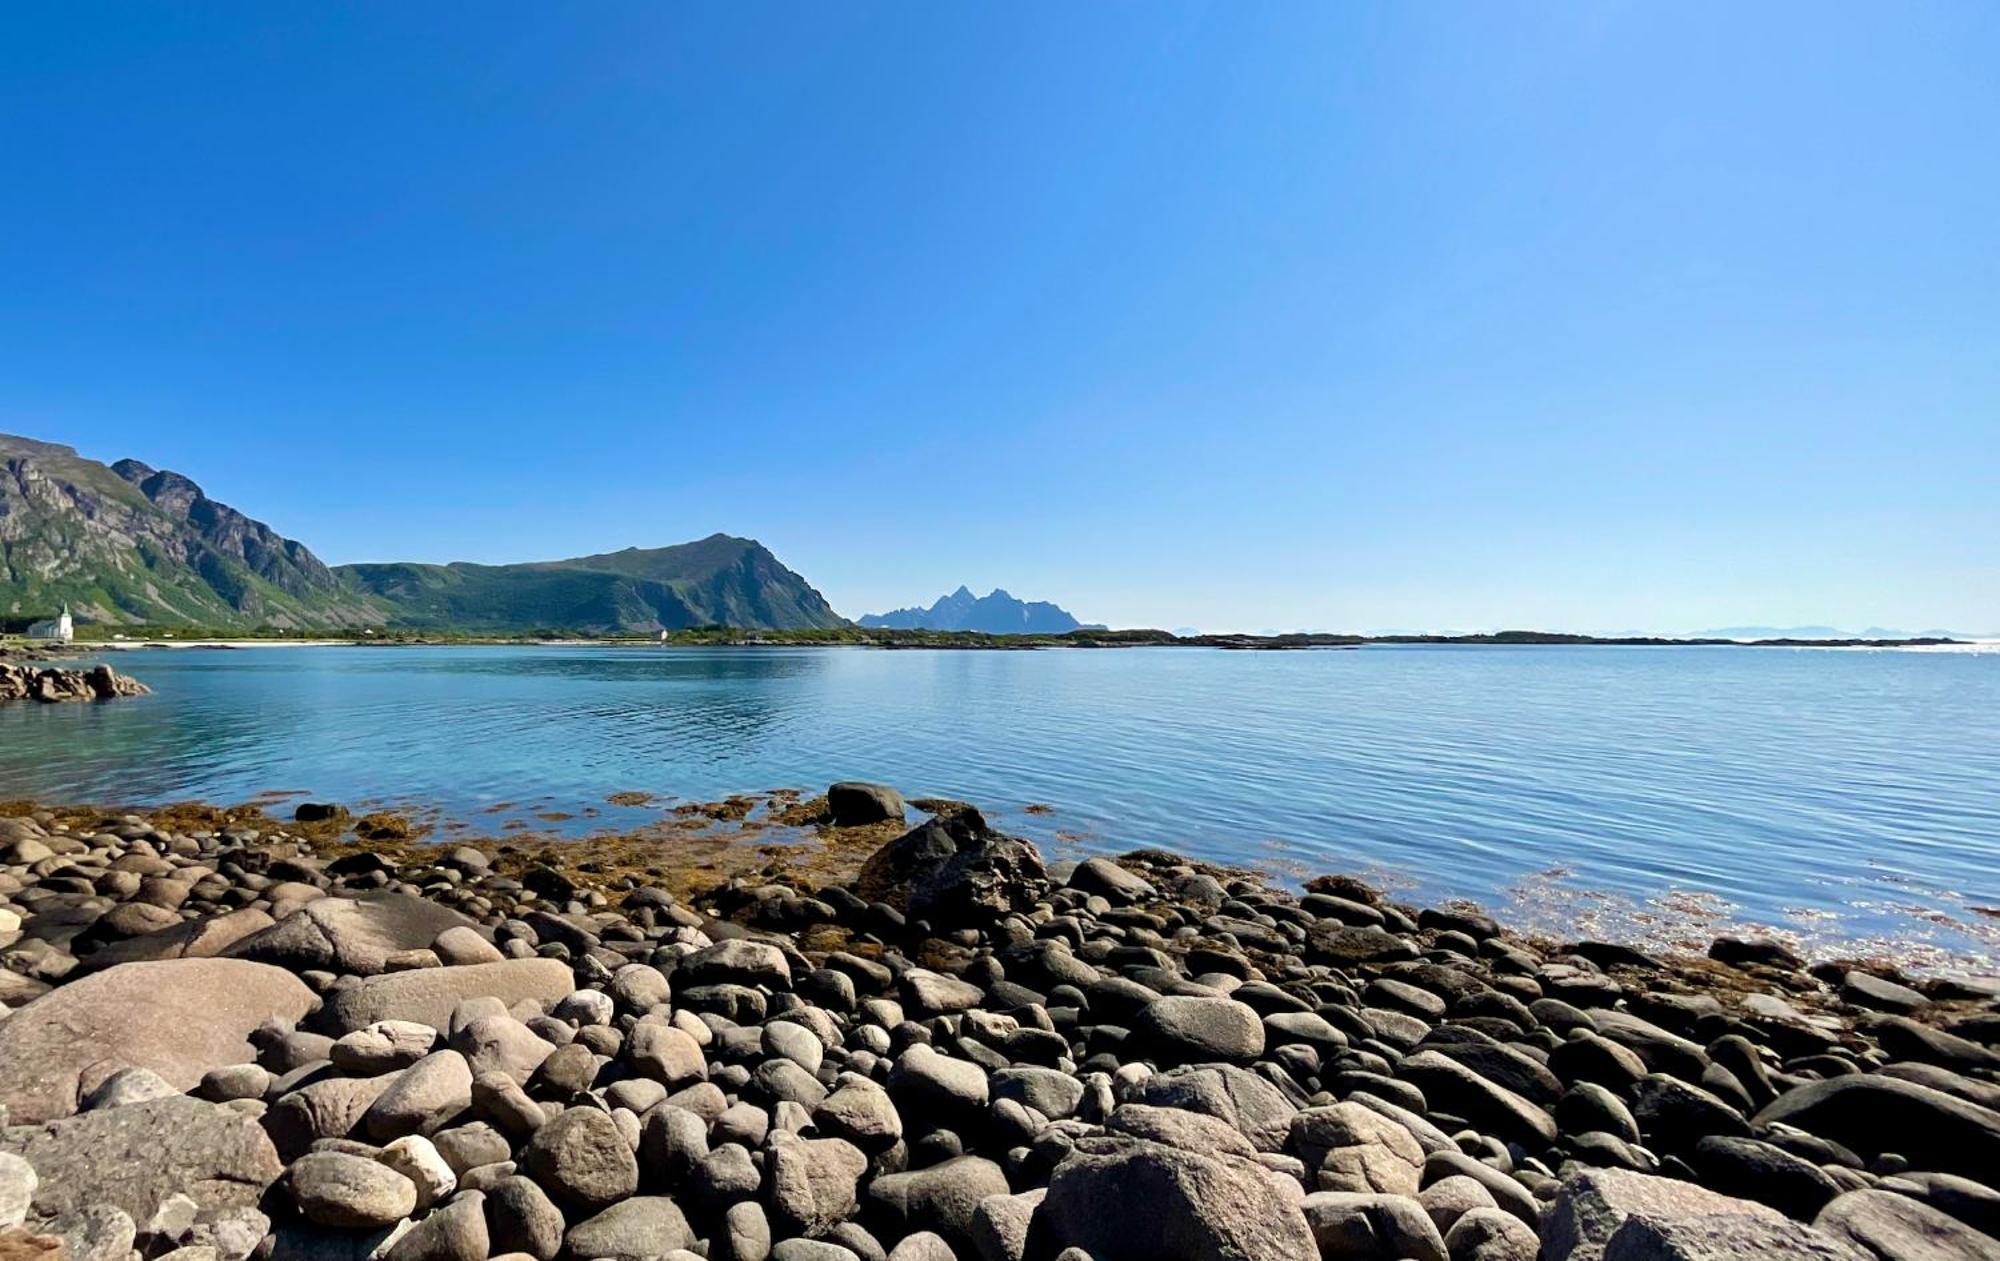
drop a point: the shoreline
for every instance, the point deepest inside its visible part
(891, 640)
(918, 1041)
(786, 835)
(692, 845)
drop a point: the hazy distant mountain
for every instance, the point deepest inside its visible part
(1770, 632)
(1827, 632)
(126, 543)
(996, 613)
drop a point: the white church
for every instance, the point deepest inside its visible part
(58, 627)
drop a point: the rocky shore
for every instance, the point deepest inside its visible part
(53, 684)
(264, 1040)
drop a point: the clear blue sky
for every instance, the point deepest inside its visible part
(1354, 316)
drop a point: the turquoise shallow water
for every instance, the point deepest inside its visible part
(1849, 796)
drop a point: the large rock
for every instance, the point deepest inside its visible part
(455, 1232)
(861, 1112)
(1122, 1197)
(943, 1198)
(520, 1217)
(1364, 1226)
(1724, 1237)
(1492, 1108)
(350, 934)
(853, 803)
(349, 1192)
(1354, 1149)
(203, 938)
(1236, 1096)
(582, 1160)
(1896, 1228)
(428, 995)
(1106, 878)
(137, 1156)
(178, 1018)
(812, 1182)
(1590, 1206)
(954, 870)
(424, 1098)
(1491, 1234)
(329, 1108)
(1871, 1114)
(641, 1227)
(1186, 1028)
(1770, 1175)
(18, 1181)
(1344, 946)
(736, 961)
(929, 1084)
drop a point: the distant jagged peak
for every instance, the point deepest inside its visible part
(998, 612)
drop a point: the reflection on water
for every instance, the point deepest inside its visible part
(1856, 792)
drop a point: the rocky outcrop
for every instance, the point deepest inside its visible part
(53, 685)
(955, 870)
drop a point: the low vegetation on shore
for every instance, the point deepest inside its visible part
(866, 637)
(225, 1036)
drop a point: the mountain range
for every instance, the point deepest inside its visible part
(129, 544)
(996, 613)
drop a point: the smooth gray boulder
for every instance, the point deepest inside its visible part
(941, 1198)
(1871, 1114)
(1370, 1226)
(1185, 1028)
(632, 1230)
(349, 1192)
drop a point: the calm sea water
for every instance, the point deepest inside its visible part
(1852, 797)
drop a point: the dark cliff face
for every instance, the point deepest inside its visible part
(284, 563)
(128, 543)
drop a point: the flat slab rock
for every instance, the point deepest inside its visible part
(1726, 1237)
(1593, 1205)
(355, 934)
(428, 995)
(178, 1017)
(138, 1155)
